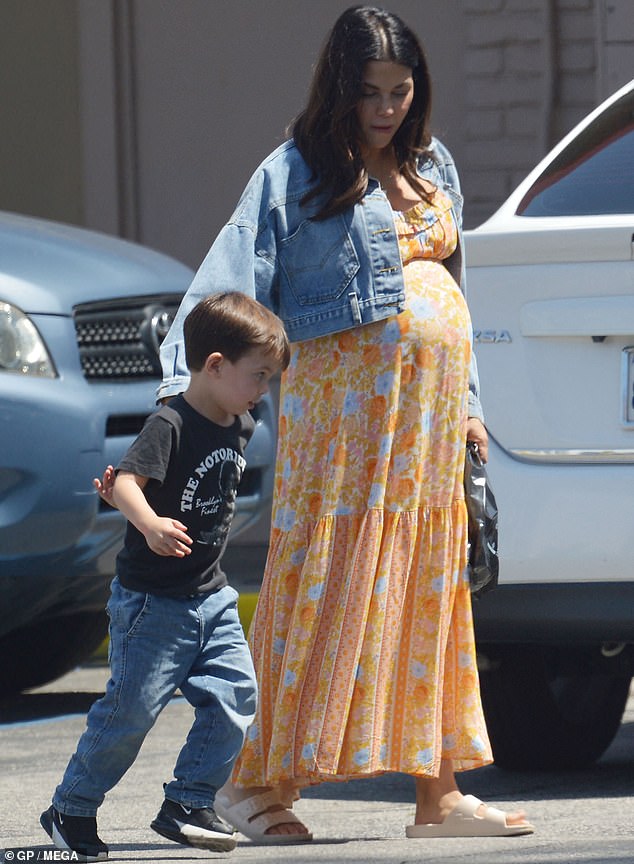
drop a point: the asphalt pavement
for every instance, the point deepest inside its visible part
(580, 816)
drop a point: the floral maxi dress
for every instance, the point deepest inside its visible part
(363, 636)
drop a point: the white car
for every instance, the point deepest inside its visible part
(551, 292)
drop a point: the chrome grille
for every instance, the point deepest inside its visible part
(120, 339)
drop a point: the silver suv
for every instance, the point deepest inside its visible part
(82, 316)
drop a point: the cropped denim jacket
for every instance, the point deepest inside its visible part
(319, 276)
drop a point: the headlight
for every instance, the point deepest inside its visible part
(21, 347)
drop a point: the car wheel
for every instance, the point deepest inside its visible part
(545, 719)
(43, 651)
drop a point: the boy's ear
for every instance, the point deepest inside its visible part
(214, 362)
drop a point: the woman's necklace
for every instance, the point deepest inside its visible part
(390, 181)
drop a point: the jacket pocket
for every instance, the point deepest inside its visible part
(318, 261)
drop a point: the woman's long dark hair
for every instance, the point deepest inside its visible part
(327, 132)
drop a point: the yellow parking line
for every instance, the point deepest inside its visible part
(246, 608)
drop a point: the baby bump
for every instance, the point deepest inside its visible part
(436, 313)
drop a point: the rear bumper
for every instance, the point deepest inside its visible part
(580, 613)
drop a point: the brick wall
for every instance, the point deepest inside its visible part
(532, 72)
(616, 34)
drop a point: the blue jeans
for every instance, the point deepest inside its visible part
(157, 645)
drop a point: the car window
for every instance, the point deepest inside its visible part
(594, 174)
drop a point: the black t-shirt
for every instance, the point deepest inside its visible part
(194, 467)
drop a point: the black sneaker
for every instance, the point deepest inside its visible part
(74, 834)
(201, 828)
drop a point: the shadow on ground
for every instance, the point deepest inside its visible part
(28, 707)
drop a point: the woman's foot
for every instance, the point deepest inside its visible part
(437, 797)
(470, 817)
(436, 812)
(261, 812)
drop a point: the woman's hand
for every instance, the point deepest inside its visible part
(477, 433)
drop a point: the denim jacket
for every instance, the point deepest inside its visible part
(319, 276)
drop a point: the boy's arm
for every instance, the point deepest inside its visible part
(164, 536)
(105, 486)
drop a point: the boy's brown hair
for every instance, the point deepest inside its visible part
(233, 324)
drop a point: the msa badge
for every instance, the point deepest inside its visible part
(491, 336)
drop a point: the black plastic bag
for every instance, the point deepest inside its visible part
(482, 560)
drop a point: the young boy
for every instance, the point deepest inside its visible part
(173, 617)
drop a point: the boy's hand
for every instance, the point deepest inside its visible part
(105, 486)
(164, 535)
(168, 537)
